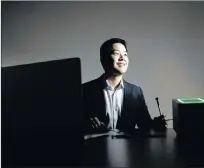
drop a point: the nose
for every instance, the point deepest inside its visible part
(121, 57)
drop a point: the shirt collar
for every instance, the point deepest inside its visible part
(120, 86)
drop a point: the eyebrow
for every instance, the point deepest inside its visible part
(119, 51)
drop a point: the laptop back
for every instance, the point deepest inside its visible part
(41, 113)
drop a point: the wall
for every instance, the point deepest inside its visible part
(165, 41)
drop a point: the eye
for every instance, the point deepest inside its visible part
(126, 54)
(116, 53)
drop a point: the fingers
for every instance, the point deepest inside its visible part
(96, 123)
(99, 123)
(102, 124)
(93, 123)
(164, 115)
(160, 119)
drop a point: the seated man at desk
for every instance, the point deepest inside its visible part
(110, 102)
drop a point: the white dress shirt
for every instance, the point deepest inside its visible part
(113, 102)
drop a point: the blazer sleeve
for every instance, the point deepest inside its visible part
(144, 121)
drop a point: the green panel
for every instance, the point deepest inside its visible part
(191, 100)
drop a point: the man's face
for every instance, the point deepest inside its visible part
(119, 58)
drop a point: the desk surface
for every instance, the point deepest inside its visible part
(119, 150)
(149, 151)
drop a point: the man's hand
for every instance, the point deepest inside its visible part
(95, 123)
(159, 123)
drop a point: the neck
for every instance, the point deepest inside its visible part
(113, 80)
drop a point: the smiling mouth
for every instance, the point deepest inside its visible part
(121, 64)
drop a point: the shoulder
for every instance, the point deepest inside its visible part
(134, 88)
(91, 89)
(93, 84)
(90, 83)
(130, 85)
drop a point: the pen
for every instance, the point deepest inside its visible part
(157, 99)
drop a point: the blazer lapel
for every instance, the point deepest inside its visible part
(124, 110)
(102, 107)
(127, 92)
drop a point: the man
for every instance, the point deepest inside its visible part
(110, 102)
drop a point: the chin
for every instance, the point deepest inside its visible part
(120, 72)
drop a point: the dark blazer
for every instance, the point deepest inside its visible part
(134, 110)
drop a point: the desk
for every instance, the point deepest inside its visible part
(152, 151)
(104, 150)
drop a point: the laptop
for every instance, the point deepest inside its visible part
(41, 113)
